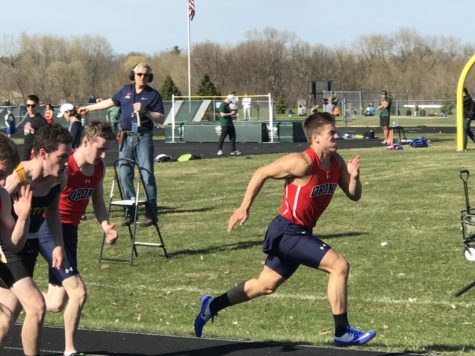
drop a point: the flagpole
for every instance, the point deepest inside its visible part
(189, 55)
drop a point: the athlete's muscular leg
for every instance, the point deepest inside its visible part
(74, 292)
(10, 310)
(267, 283)
(77, 295)
(338, 268)
(6, 321)
(33, 304)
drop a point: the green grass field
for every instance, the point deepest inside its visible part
(403, 241)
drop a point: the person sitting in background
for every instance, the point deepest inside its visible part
(336, 111)
(370, 110)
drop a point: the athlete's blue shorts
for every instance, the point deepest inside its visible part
(288, 246)
(70, 238)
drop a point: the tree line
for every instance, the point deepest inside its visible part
(270, 61)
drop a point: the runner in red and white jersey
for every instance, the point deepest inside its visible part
(303, 204)
(75, 196)
(66, 289)
(310, 178)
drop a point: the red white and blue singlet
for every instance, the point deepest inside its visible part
(304, 204)
(75, 197)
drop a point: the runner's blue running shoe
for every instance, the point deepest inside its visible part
(204, 315)
(354, 336)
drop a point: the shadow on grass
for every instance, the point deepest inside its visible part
(250, 244)
(340, 235)
(164, 210)
(253, 349)
(209, 250)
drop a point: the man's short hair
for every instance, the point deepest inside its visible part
(9, 154)
(98, 128)
(314, 123)
(49, 138)
(34, 98)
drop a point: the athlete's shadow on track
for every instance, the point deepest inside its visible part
(251, 348)
(250, 244)
(210, 250)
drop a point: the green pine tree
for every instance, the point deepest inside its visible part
(169, 88)
(206, 87)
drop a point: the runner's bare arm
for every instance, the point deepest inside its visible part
(350, 177)
(53, 220)
(293, 165)
(100, 211)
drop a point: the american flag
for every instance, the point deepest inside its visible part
(191, 9)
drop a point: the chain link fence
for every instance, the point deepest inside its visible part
(356, 103)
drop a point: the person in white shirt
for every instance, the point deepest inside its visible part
(246, 106)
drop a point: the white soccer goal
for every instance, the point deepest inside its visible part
(196, 109)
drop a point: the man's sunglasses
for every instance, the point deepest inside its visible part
(146, 75)
(30, 105)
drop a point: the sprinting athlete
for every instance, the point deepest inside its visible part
(311, 178)
(66, 289)
(44, 173)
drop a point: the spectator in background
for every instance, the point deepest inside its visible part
(33, 123)
(49, 114)
(330, 107)
(227, 125)
(10, 123)
(136, 100)
(384, 114)
(91, 99)
(70, 114)
(246, 106)
(468, 115)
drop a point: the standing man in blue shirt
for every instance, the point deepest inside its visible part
(141, 106)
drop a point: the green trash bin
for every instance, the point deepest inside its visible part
(203, 132)
(210, 132)
(291, 131)
(250, 131)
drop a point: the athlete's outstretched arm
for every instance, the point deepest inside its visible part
(100, 211)
(53, 220)
(350, 177)
(293, 165)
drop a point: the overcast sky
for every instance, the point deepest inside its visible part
(152, 26)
